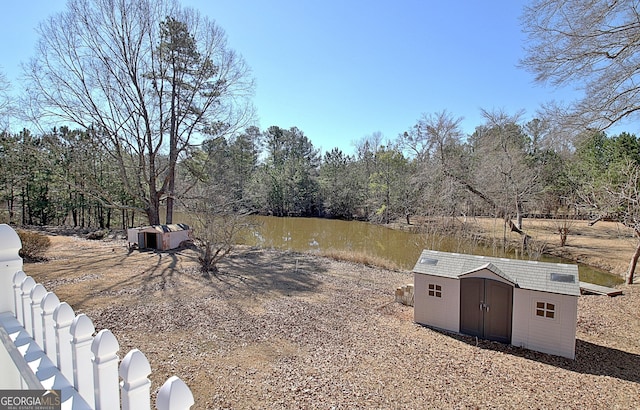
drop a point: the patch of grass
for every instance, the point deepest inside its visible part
(362, 258)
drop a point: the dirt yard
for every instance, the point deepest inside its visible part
(606, 245)
(279, 330)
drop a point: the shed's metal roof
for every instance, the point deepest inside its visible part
(523, 274)
(164, 228)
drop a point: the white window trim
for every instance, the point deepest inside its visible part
(434, 290)
(556, 309)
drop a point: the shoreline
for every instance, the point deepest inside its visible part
(605, 246)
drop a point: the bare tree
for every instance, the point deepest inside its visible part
(218, 223)
(6, 103)
(563, 226)
(615, 196)
(593, 45)
(503, 150)
(432, 135)
(496, 167)
(217, 230)
(435, 143)
(146, 77)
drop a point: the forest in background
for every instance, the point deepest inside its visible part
(504, 169)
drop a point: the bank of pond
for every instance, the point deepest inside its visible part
(398, 246)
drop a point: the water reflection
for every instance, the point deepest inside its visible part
(403, 248)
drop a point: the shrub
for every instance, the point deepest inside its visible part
(34, 245)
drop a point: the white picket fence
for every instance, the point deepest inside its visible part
(53, 348)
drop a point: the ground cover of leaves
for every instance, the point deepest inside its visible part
(279, 330)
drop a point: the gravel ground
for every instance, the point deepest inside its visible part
(279, 330)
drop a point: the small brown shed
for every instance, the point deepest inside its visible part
(160, 237)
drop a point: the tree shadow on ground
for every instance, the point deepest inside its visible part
(118, 274)
(158, 275)
(590, 358)
(261, 271)
(250, 271)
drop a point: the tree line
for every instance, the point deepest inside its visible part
(505, 169)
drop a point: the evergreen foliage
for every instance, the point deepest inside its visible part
(63, 178)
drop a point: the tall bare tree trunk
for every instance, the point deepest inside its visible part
(173, 152)
(519, 213)
(634, 261)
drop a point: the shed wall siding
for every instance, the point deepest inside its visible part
(554, 336)
(176, 238)
(442, 312)
(132, 235)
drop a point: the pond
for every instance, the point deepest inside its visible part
(401, 247)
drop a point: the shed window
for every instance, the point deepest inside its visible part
(545, 309)
(435, 290)
(562, 277)
(428, 261)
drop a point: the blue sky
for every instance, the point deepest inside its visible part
(341, 70)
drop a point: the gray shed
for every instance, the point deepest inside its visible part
(525, 303)
(160, 237)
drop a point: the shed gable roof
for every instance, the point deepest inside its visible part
(531, 275)
(493, 269)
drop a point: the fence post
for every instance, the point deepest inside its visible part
(105, 370)
(25, 289)
(82, 330)
(18, 277)
(10, 263)
(174, 395)
(49, 303)
(63, 317)
(135, 386)
(37, 293)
